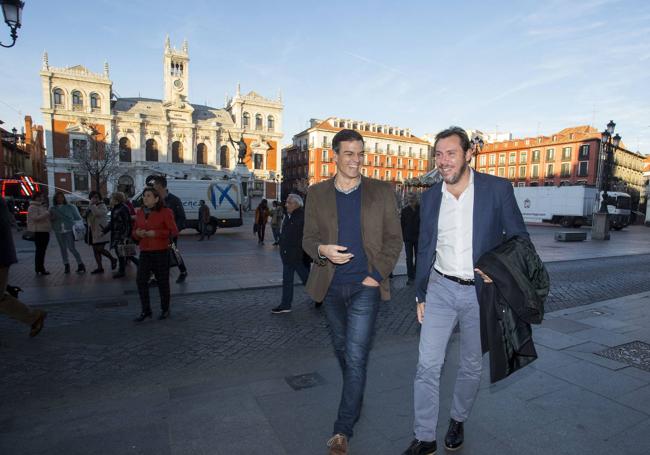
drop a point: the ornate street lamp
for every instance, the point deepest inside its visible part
(477, 145)
(12, 11)
(608, 144)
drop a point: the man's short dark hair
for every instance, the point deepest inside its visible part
(345, 136)
(160, 179)
(454, 131)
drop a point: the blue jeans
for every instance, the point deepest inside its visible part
(351, 311)
(66, 242)
(288, 271)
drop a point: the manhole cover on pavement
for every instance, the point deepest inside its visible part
(635, 353)
(304, 381)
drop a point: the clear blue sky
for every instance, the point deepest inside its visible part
(523, 66)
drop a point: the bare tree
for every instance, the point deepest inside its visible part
(100, 159)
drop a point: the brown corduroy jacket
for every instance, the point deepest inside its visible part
(380, 230)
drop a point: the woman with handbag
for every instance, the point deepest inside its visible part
(97, 219)
(154, 228)
(38, 222)
(63, 217)
(120, 229)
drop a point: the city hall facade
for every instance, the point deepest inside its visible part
(169, 135)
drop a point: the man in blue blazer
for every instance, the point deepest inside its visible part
(462, 217)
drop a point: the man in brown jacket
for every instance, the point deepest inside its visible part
(353, 234)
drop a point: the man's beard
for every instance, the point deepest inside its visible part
(454, 178)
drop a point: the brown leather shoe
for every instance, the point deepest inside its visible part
(38, 324)
(338, 444)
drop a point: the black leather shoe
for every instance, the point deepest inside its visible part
(66, 268)
(81, 268)
(143, 316)
(455, 435)
(163, 315)
(418, 447)
(318, 304)
(14, 290)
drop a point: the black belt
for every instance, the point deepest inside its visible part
(455, 279)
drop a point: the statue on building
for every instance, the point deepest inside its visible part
(241, 147)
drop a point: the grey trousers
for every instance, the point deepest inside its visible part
(447, 303)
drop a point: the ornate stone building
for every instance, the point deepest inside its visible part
(171, 136)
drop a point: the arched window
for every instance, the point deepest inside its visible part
(95, 102)
(201, 154)
(177, 152)
(223, 157)
(258, 121)
(270, 123)
(151, 150)
(77, 100)
(246, 120)
(59, 97)
(125, 150)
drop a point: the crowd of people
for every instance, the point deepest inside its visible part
(343, 241)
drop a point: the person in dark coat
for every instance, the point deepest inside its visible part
(410, 219)
(291, 251)
(173, 203)
(9, 304)
(204, 220)
(120, 229)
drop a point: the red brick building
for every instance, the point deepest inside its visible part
(23, 153)
(391, 153)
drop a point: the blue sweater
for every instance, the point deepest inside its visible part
(348, 208)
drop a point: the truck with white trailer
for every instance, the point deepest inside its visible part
(571, 206)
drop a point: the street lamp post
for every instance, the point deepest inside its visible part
(12, 11)
(477, 145)
(608, 144)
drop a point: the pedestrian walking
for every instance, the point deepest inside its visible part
(204, 220)
(63, 217)
(276, 221)
(291, 252)
(173, 203)
(97, 220)
(463, 217)
(410, 220)
(352, 233)
(154, 229)
(120, 231)
(38, 222)
(9, 304)
(262, 213)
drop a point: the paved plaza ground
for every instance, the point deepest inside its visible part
(216, 378)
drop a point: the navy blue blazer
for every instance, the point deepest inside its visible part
(495, 213)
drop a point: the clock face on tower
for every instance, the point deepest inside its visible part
(178, 84)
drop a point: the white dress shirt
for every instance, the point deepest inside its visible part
(454, 246)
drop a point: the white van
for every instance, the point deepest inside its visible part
(222, 196)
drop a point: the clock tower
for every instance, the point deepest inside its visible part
(176, 74)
